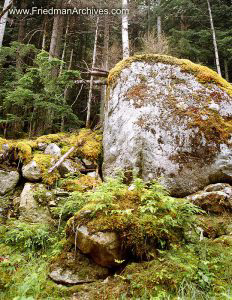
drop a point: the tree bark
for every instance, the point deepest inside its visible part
(226, 70)
(105, 66)
(214, 39)
(125, 35)
(21, 35)
(57, 33)
(66, 92)
(159, 24)
(44, 33)
(65, 45)
(3, 20)
(91, 79)
(148, 16)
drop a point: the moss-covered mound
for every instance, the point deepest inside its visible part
(145, 218)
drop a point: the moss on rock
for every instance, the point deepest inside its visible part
(202, 73)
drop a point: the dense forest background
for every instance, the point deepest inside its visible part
(53, 68)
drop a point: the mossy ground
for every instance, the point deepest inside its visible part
(87, 146)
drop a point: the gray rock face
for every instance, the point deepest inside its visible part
(53, 149)
(216, 198)
(8, 181)
(30, 210)
(103, 247)
(32, 171)
(161, 120)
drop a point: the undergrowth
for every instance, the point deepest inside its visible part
(144, 216)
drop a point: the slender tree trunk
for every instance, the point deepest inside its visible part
(65, 46)
(226, 69)
(3, 20)
(55, 51)
(148, 16)
(125, 35)
(21, 35)
(105, 65)
(66, 92)
(159, 24)
(214, 39)
(44, 33)
(91, 79)
(22, 22)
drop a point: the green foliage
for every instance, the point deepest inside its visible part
(69, 206)
(28, 237)
(36, 96)
(146, 217)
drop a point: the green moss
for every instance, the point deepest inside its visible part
(44, 162)
(81, 184)
(202, 73)
(52, 138)
(88, 144)
(145, 218)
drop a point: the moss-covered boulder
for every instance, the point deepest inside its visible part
(170, 119)
(32, 210)
(8, 181)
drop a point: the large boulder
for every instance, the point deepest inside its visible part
(171, 120)
(30, 209)
(32, 171)
(8, 181)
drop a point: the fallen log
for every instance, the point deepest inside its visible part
(61, 160)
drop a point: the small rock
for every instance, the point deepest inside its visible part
(93, 174)
(42, 146)
(88, 164)
(5, 147)
(61, 193)
(53, 149)
(225, 187)
(52, 203)
(32, 171)
(76, 268)
(216, 198)
(68, 167)
(8, 181)
(67, 277)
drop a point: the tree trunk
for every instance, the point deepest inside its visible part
(105, 66)
(214, 39)
(125, 36)
(65, 45)
(91, 79)
(148, 16)
(57, 33)
(66, 92)
(44, 33)
(226, 70)
(3, 20)
(22, 22)
(21, 35)
(159, 25)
